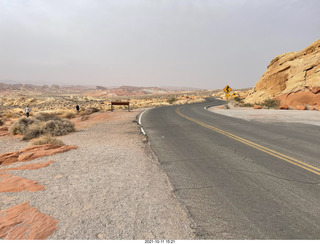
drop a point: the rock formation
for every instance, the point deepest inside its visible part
(23, 222)
(293, 78)
(33, 152)
(12, 183)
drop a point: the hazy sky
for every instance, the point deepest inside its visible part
(190, 43)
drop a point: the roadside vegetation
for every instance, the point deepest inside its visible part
(267, 103)
(41, 124)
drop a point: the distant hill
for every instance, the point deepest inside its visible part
(29, 89)
(177, 88)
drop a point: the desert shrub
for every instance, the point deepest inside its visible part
(42, 116)
(68, 115)
(270, 103)
(1, 122)
(171, 100)
(247, 105)
(21, 126)
(89, 111)
(58, 127)
(47, 139)
(33, 131)
(33, 128)
(238, 99)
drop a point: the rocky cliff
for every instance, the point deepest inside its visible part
(293, 78)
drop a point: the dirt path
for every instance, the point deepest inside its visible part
(111, 187)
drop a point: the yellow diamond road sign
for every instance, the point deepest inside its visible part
(227, 89)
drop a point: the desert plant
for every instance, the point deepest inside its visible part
(33, 128)
(47, 139)
(238, 99)
(58, 127)
(171, 100)
(247, 105)
(270, 103)
(68, 115)
(21, 126)
(1, 122)
(33, 131)
(89, 111)
(42, 116)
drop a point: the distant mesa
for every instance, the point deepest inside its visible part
(293, 78)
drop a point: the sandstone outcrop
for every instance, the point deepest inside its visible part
(291, 78)
(33, 152)
(12, 183)
(23, 222)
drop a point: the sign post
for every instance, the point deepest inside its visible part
(227, 90)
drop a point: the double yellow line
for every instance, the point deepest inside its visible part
(255, 145)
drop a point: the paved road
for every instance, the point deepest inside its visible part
(239, 179)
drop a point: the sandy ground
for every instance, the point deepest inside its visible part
(111, 187)
(270, 115)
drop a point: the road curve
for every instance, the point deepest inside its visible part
(239, 179)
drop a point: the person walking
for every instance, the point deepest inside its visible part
(27, 111)
(77, 108)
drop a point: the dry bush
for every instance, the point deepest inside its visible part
(68, 115)
(47, 139)
(33, 131)
(58, 127)
(89, 111)
(21, 126)
(1, 122)
(42, 116)
(33, 128)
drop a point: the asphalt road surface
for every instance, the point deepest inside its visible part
(239, 179)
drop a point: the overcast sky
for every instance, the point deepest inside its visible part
(189, 43)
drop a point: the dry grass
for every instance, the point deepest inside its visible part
(47, 139)
(42, 124)
(21, 126)
(89, 111)
(68, 114)
(58, 127)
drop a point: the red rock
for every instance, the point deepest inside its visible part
(257, 107)
(299, 98)
(12, 183)
(23, 222)
(300, 107)
(285, 107)
(32, 166)
(4, 131)
(315, 90)
(9, 158)
(313, 108)
(33, 152)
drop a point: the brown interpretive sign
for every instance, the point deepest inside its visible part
(120, 103)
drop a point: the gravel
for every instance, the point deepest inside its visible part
(270, 115)
(111, 187)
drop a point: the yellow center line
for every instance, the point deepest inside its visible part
(286, 158)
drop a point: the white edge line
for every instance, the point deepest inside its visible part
(139, 122)
(140, 117)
